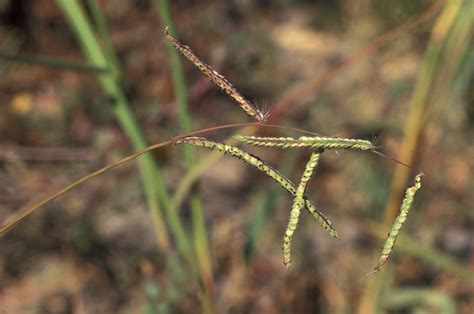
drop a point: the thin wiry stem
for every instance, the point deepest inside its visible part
(28, 210)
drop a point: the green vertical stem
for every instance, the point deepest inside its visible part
(412, 133)
(101, 25)
(201, 245)
(151, 175)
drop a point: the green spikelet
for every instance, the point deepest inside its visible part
(268, 170)
(397, 225)
(316, 142)
(216, 78)
(298, 203)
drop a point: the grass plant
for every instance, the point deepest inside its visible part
(194, 246)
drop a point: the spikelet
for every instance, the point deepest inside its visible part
(268, 170)
(314, 142)
(397, 225)
(298, 203)
(217, 79)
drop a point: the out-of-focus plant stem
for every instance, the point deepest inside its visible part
(153, 181)
(200, 241)
(421, 301)
(101, 25)
(419, 101)
(456, 66)
(412, 133)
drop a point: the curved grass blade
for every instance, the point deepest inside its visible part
(268, 170)
(397, 225)
(298, 203)
(315, 142)
(217, 78)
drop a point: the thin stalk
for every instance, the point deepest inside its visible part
(23, 213)
(201, 245)
(27, 211)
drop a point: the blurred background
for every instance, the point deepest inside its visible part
(85, 83)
